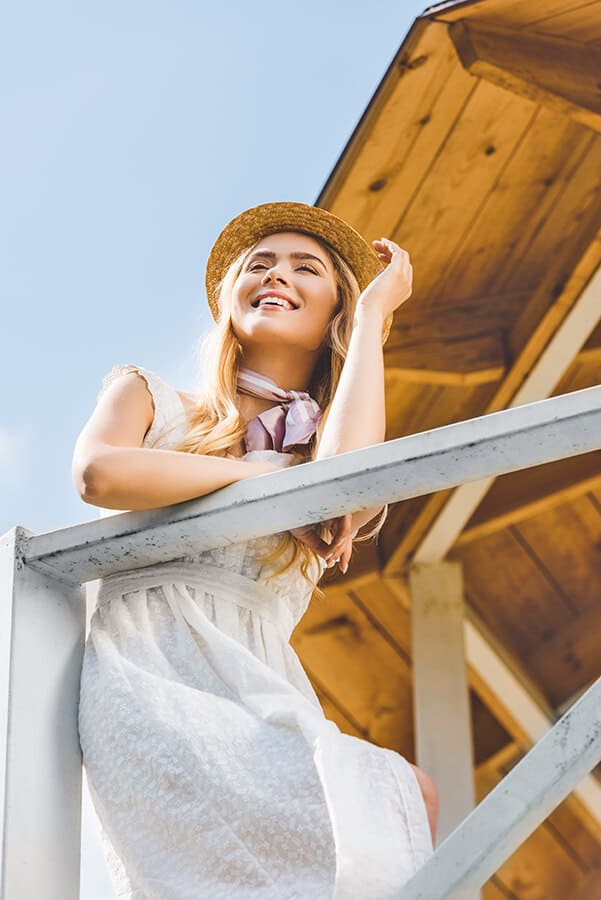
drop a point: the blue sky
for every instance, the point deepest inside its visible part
(132, 133)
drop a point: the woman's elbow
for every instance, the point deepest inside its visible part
(88, 481)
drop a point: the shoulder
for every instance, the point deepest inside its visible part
(150, 380)
(169, 408)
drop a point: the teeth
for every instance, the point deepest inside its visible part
(276, 300)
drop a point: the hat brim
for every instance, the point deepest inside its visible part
(251, 225)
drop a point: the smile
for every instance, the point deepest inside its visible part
(273, 300)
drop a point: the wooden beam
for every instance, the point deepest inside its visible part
(41, 651)
(545, 69)
(466, 362)
(521, 495)
(504, 686)
(591, 352)
(440, 689)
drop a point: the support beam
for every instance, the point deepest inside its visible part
(511, 696)
(546, 69)
(440, 689)
(41, 650)
(515, 807)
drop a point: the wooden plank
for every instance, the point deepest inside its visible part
(471, 361)
(591, 352)
(590, 886)
(523, 495)
(490, 737)
(567, 541)
(562, 209)
(557, 71)
(512, 12)
(366, 675)
(518, 603)
(388, 615)
(412, 89)
(574, 826)
(560, 289)
(332, 709)
(396, 97)
(537, 169)
(455, 317)
(411, 407)
(447, 190)
(493, 890)
(421, 137)
(543, 866)
(557, 265)
(565, 661)
(581, 22)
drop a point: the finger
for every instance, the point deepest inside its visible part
(345, 559)
(344, 550)
(342, 538)
(396, 251)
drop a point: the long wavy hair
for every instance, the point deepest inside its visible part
(215, 425)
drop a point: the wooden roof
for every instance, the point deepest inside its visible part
(480, 153)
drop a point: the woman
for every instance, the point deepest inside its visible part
(210, 763)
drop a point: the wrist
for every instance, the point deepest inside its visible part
(367, 316)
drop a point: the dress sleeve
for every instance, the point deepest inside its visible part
(150, 378)
(167, 406)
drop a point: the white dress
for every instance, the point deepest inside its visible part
(211, 766)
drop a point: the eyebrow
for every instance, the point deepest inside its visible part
(295, 255)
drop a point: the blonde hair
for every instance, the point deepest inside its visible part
(215, 425)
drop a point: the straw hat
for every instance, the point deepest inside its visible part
(252, 224)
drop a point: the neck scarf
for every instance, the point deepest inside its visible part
(293, 421)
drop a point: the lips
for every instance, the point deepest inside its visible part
(265, 295)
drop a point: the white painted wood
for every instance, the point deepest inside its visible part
(394, 470)
(441, 708)
(557, 356)
(515, 807)
(533, 721)
(41, 650)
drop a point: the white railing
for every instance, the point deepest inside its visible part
(42, 630)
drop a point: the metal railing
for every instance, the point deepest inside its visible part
(42, 631)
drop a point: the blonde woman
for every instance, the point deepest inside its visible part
(212, 768)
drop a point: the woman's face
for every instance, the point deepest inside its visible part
(295, 267)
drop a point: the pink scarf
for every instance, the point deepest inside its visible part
(293, 421)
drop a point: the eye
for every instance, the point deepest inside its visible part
(253, 266)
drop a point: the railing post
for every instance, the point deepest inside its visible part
(442, 715)
(42, 621)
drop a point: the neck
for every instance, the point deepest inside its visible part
(290, 374)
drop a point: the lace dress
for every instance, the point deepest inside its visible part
(209, 761)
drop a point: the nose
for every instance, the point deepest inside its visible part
(273, 274)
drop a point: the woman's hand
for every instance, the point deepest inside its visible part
(392, 286)
(339, 550)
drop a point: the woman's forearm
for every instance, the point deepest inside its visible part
(357, 416)
(128, 478)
